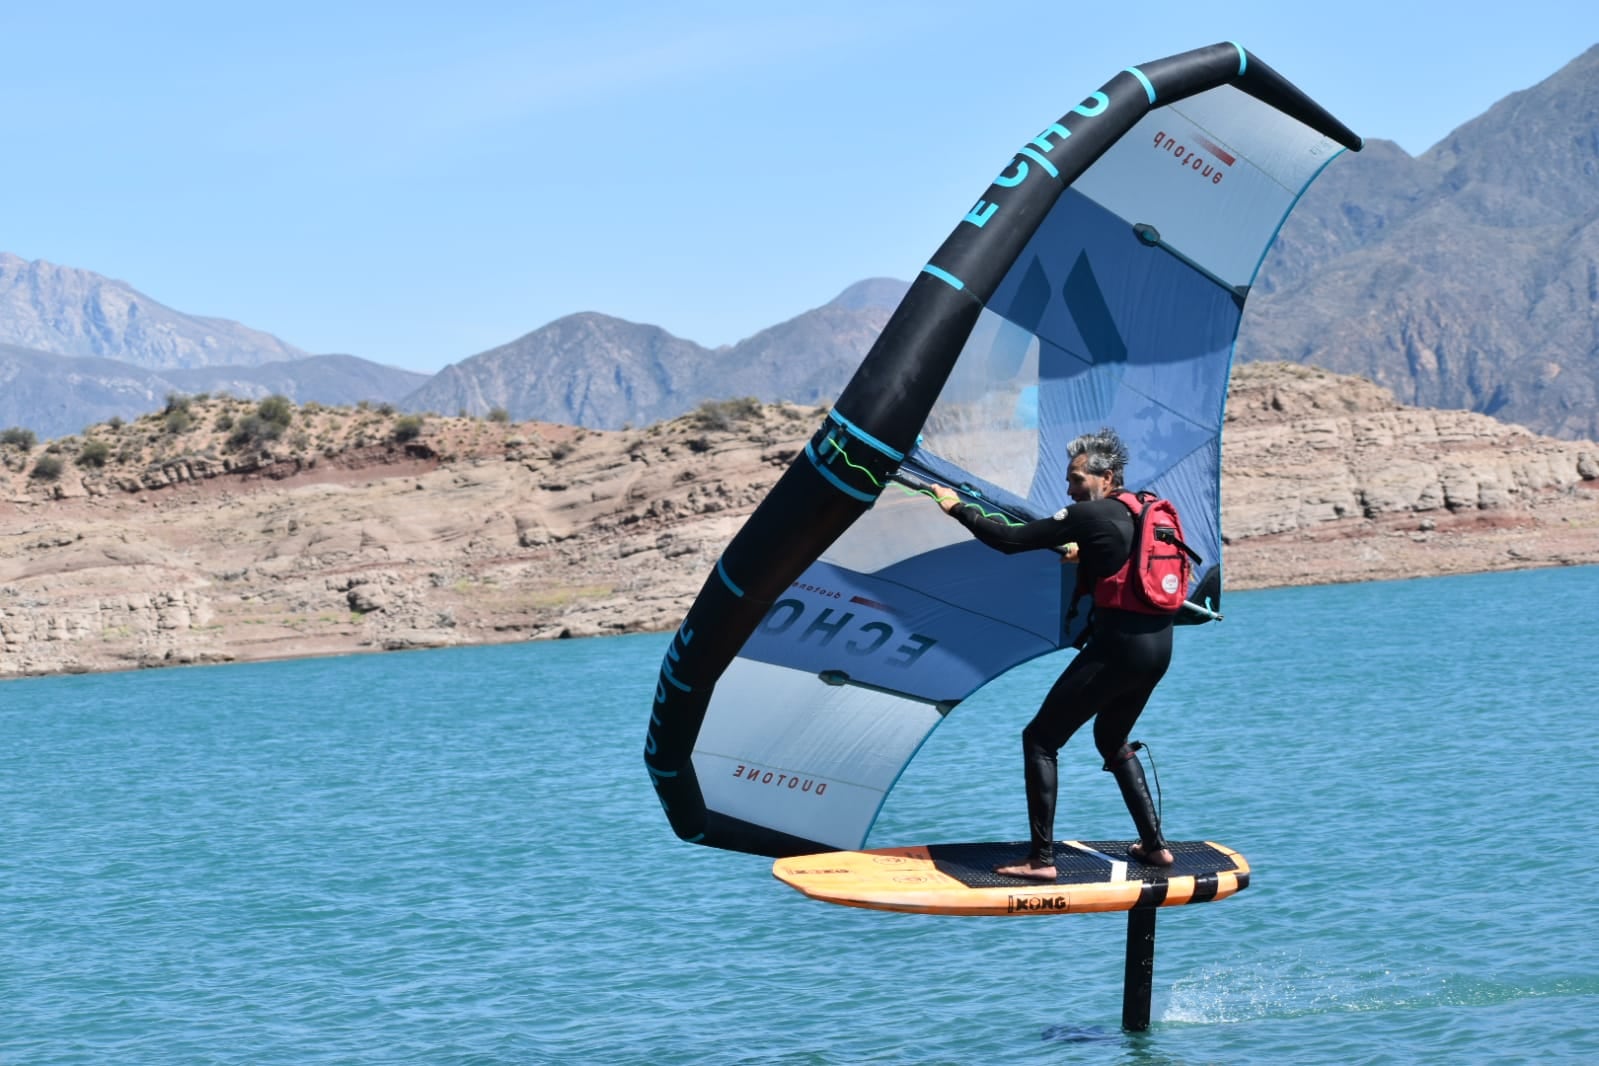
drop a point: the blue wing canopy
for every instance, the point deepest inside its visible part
(1099, 282)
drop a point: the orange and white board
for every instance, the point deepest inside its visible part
(960, 878)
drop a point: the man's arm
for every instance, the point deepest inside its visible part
(999, 533)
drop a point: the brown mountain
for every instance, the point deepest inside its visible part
(605, 373)
(1467, 277)
(584, 370)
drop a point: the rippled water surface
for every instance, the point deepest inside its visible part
(455, 857)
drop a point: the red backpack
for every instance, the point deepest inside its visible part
(1155, 578)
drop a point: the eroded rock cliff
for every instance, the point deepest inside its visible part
(353, 537)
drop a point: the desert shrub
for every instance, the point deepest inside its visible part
(177, 401)
(47, 468)
(279, 410)
(407, 427)
(386, 408)
(94, 453)
(725, 414)
(251, 431)
(224, 421)
(499, 414)
(22, 438)
(178, 420)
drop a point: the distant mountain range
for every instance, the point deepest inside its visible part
(77, 348)
(593, 370)
(58, 309)
(1465, 278)
(58, 395)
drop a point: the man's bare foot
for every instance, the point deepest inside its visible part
(1162, 857)
(1027, 871)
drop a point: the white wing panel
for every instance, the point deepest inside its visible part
(1217, 201)
(782, 749)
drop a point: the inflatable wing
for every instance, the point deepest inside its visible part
(1099, 281)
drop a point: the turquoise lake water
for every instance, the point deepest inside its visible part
(455, 856)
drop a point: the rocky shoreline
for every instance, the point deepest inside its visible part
(355, 537)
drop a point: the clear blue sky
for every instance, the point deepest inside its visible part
(414, 184)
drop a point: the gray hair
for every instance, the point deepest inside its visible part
(1105, 452)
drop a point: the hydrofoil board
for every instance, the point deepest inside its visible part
(1093, 875)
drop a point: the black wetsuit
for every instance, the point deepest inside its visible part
(1109, 681)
